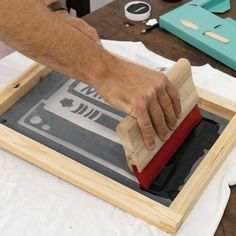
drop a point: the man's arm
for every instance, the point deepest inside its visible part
(29, 27)
(32, 29)
(76, 22)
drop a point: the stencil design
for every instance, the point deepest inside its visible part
(76, 117)
(82, 109)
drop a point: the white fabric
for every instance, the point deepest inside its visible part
(34, 202)
(12, 66)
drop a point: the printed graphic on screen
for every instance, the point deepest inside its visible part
(92, 120)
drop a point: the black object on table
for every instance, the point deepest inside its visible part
(82, 7)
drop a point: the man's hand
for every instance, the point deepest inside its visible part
(79, 24)
(146, 95)
(152, 100)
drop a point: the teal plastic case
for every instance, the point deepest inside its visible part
(200, 13)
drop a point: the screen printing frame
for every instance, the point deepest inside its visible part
(167, 219)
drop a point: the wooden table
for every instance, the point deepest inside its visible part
(109, 23)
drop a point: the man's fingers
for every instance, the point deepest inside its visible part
(158, 120)
(167, 108)
(146, 128)
(175, 98)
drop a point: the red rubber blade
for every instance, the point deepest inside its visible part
(158, 162)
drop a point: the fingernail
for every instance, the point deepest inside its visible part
(151, 146)
(173, 127)
(180, 113)
(167, 136)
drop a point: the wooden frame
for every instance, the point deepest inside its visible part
(166, 218)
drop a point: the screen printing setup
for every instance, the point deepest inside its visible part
(64, 127)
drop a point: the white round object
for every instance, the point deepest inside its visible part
(137, 10)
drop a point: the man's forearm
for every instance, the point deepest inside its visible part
(41, 35)
(38, 33)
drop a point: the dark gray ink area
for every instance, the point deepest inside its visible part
(175, 174)
(50, 128)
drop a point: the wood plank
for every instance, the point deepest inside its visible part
(19, 87)
(216, 104)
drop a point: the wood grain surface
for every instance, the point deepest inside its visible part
(109, 23)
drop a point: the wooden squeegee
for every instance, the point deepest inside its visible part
(147, 164)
